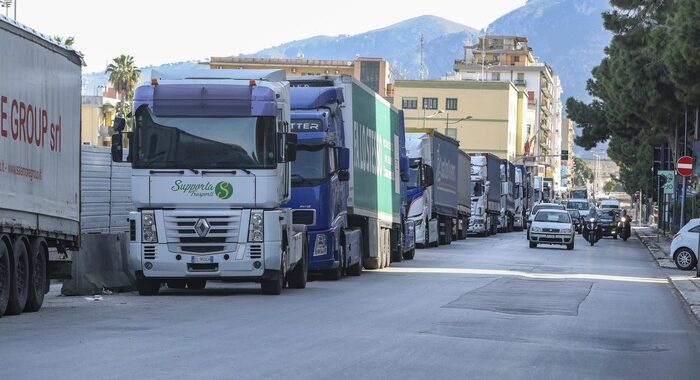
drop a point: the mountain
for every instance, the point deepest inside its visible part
(399, 44)
(567, 34)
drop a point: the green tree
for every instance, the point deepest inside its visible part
(68, 41)
(124, 76)
(682, 53)
(582, 173)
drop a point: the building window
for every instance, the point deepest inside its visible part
(409, 103)
(516, 58)
(451, 104)
(430, 103)
(369, 74)
(521, 76)
(496, 76)
(451, 132)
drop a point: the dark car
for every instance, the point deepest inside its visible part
(576, 220)
(608, 222)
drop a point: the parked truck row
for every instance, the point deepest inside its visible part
(236, 175)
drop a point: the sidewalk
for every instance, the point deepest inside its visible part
(685, 282)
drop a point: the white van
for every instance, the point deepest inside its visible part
(582, 205)
(607, 204)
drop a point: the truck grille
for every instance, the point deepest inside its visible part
(149, 252)
(307, 217)
(255, 251)
(222, 236)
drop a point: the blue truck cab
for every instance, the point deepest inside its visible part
(319, 178)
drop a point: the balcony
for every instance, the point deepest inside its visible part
(521, 82)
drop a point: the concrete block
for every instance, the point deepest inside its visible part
(101, 263)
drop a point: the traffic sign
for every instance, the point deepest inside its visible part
(684, 166)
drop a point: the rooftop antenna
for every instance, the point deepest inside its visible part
(422, 65)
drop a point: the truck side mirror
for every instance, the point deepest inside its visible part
(343, 159)
(287, 147)
(117, 148)
(343, 175)
(119, 124)
(428, 176)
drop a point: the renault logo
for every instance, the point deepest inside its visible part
(202, 227)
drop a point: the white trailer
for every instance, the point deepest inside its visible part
(40, 87)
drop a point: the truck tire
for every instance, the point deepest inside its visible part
(37, 276)
(397, 249)
(296, 279)
(386, 248)
(409, 255)
(197, 284)
(19, 287)
(355, 269)
(147, 287)
(274, 286)
(5, 276)
(443, 231)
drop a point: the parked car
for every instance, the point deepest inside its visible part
(684, 244)
(576, 219)
(550, 226)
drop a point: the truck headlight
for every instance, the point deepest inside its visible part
(149, 232)
(320, 248)
(256, 231)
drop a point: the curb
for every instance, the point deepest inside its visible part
(683, 286)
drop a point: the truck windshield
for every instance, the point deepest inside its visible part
(204, 142)
(311, 165)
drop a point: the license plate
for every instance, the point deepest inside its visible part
(202, 259)
(551, 236)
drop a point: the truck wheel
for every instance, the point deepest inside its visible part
(274, 287)
(410, 254)
(4, 277)
(197, 284)
(355, 269)
(19, 288)
(397, 249)
(148, 287)
(37, 278)
(296, 279)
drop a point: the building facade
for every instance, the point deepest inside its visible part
(483, 116)
(510, 59)
(97, 114)
(373, 72)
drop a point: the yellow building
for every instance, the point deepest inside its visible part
(373, 72)
(482, 116)
(96, 115)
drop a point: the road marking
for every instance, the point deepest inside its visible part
(545, 276)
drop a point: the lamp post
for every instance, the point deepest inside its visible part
(447, 121)
(427, 117)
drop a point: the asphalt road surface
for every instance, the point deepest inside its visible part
(483, 308)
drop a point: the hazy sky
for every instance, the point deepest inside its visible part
(162, 31)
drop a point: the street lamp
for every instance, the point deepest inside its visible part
(427, 117)
(447, 121)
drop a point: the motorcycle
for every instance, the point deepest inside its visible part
(624, 228)
(592, 231)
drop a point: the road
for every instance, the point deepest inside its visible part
(483, 308)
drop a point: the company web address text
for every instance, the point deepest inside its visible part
(20, 171)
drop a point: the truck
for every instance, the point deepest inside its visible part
(352, 202)
(548, 189)
(506, 219)
(579, 192)
(433, 159)
(486, 193)
(40, 85)
(464, 200)
(211, 155)
(522, 191)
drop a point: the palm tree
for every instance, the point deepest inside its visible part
(124, 76)
(68, 41)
